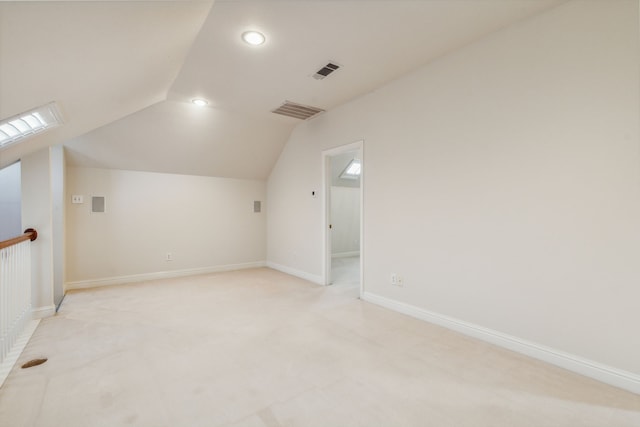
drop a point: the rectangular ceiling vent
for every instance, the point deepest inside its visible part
(298, 111)
(325, 71)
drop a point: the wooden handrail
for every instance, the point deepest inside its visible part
(29, 234)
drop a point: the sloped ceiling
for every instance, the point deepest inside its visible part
(124, 79)
(100, 61)
(179, 137)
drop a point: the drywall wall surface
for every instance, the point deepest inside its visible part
(10, 216)
(58, 166)
(201, 222)
(345, 220)
(502, 182)
(36, 213)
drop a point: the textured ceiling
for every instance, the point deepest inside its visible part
(124, 73)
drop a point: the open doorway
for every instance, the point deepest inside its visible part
(343, 180)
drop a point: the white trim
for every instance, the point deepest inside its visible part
(42, 312)
(326, 215)
(119, 280)
(16, 350)
(353, 146)
(607, 374)
(292, 271)
(345, 254)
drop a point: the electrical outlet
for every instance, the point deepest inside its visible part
(77, 199)
(169, 256)
(396, 280)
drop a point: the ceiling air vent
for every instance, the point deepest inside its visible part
(298, 111)
(325, 71)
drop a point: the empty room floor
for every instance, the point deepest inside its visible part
(260, 348)
(345, 275)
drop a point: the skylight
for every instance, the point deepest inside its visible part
(29, 123)
(352, 171)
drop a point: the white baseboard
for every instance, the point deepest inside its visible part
(42, 312)
(606, 374)
(16, 350)
(292, 271)
(120, 280)
(345, 254)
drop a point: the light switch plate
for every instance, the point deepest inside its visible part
(77, 199)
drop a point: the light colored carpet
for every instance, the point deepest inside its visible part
(260, 348)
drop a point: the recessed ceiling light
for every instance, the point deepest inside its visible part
(253, 37)
(200, 102)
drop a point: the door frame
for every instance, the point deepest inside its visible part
(326, 209)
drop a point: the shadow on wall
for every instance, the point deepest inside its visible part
(10, 202)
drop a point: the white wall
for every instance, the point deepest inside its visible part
(37, 213)
(345, 220)
(58, 174)
(10, 217)
(501, 181)
(204, 222)
(345, 207)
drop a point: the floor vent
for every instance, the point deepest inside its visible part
(34, 362)
(325, 71)
(298, 111)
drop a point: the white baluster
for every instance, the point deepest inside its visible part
(15, 293)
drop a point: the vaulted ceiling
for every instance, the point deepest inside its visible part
(124, 73)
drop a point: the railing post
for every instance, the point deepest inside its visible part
(32, 232)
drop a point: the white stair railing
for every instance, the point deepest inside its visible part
(15, 296)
